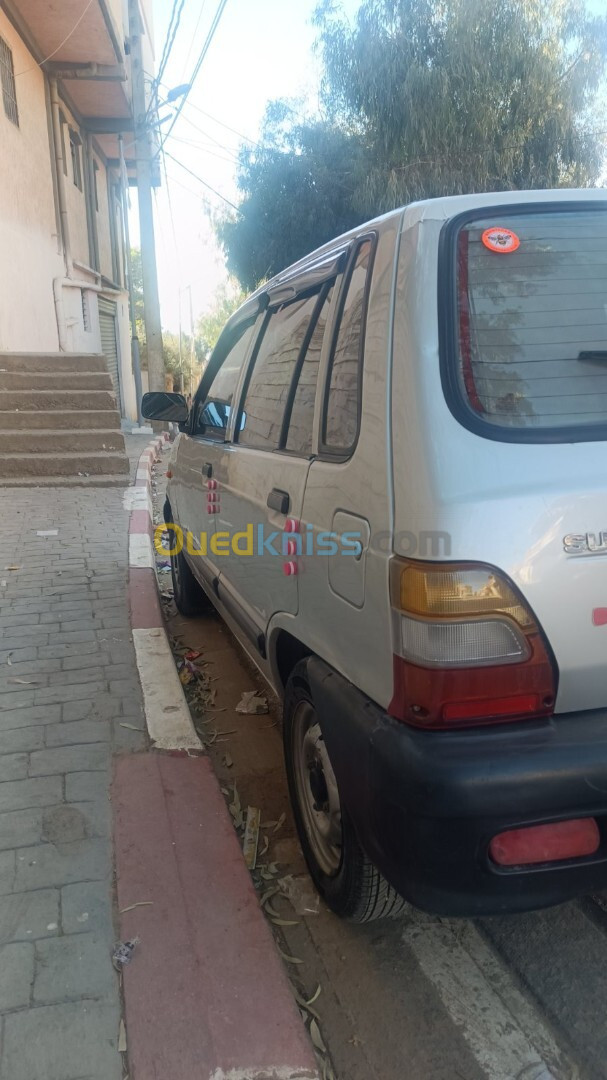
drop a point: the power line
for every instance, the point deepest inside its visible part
(204, 149)
(198, 21)
(55, 51)
(203, 52)
(167, 49)
(207, 135)
(201, 181)
(222, 124)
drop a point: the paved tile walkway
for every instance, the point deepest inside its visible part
(68, 687)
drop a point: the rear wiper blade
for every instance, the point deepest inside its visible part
(593, 354)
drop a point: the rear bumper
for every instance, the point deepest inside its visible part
(426, 805)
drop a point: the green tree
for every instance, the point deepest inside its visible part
(422, 98)
(209, 326)
(297, 189)
(137, 283)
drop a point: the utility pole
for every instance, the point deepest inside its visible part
(153, 329)
(135, 358)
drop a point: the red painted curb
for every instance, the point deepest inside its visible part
(206, 994)
(205, 990)
(141, 522)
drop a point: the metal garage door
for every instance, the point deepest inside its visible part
(109, 340)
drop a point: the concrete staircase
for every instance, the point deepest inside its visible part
(59, 425)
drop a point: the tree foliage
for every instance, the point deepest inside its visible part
(422, 98)
(209, 326)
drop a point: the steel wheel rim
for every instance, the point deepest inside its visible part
(317, 792)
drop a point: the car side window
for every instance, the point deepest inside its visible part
(212, 415)
(301, 420)
(270, 379)
(340, 422)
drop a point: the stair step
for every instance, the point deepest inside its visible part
(55, 380)
(96, 480)
(58, 419)
(31, 400)
(52, 362)
(63, 464)
(60, 440)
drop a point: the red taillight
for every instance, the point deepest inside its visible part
(468, 649)
(546, 843)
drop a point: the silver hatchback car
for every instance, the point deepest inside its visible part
(392, 484)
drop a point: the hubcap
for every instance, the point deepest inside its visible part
(317, 792)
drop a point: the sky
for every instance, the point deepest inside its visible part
(263, 49)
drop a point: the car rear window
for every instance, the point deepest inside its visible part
(531, 315)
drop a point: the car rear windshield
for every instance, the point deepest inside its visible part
(531, 299)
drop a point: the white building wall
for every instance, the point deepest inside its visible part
(31, 257)
(29, 248)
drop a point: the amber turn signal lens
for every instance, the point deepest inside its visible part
(455, 590)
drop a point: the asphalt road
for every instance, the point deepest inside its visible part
(509, 998)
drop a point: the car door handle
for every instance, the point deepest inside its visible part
(279, 500)
(207, 469)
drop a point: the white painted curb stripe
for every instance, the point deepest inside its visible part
(166, 710)
(141, 552)
(502, 1028)
(270, 1072)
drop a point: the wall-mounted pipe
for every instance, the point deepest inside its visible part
(60, 173)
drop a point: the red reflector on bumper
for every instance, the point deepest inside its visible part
(546, 843)
(517, 705)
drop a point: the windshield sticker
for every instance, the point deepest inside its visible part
(501, 240)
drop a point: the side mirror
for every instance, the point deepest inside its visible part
(159, 405)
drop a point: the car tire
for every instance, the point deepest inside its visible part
(349, 883)
(189, 596)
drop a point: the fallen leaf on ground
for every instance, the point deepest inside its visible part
(140, 903)
(122, 1038)
(132, 727)
(316, 1037)
(251, 837)
(290, 959)
(12, 567)
(279, 824)
(228, 762)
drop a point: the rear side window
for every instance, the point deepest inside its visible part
(301, 421)
(270, 380)
(340, 424)
(531, 323)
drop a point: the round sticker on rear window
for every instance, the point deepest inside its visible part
(499, 239)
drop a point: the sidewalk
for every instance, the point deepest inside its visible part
(68, 684)
(206, 995)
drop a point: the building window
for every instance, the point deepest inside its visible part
(75, 155)
(7, 77)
